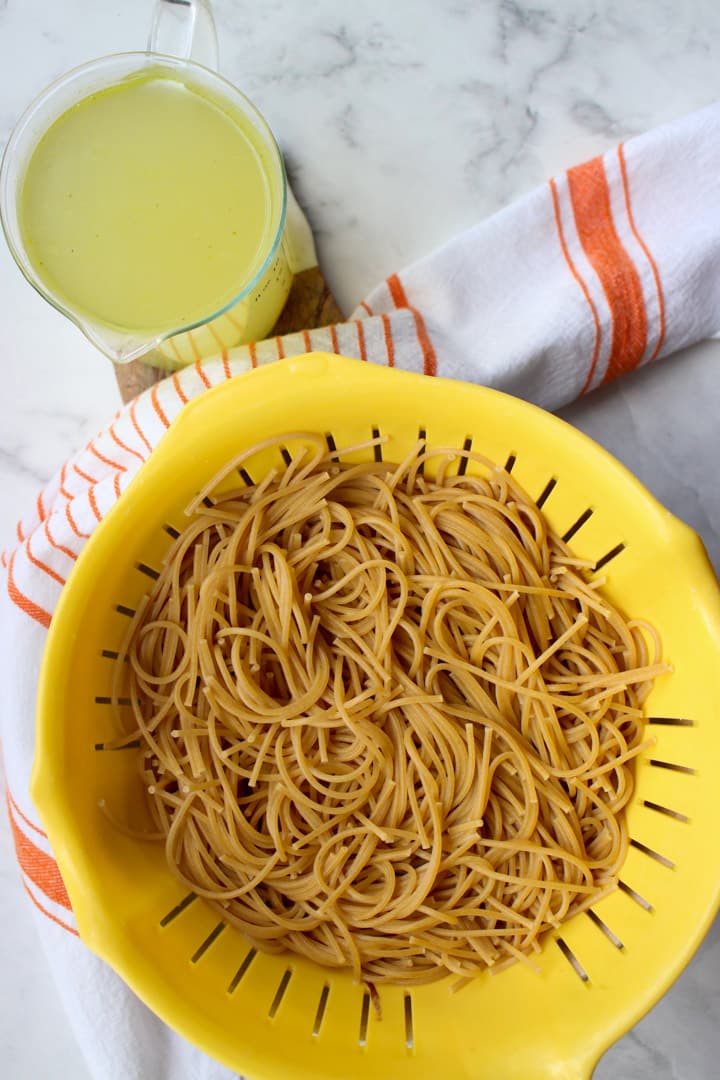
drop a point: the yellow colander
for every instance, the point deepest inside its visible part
(283, 1017)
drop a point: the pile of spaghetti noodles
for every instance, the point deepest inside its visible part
(387, 719)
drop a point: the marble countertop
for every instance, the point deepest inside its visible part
(402, 124)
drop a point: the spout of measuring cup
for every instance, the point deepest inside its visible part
(119, 346)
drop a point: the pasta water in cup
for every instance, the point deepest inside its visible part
(145, 198)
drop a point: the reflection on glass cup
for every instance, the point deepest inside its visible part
(145, 198)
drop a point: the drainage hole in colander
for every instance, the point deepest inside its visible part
(629, 891)
(409, 1030)
(577, 525)
(662, 859)
(422, 436)
(572, 959)
(280, 992)
(546, 492)
(608, 556)
(603, 926)
(246, 477)
(132, 745)
(666, 810)
(149, 571)
(122, 609)
(171, 531)
(101, 699)
(322, 1006)
(467, 447)
(286, 455)
(422, 439)
(672, 766)
(205, 945)
(364, 1019)
(242, 971)
(178, 909)
(671, 721)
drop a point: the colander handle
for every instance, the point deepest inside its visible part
(577, 1069)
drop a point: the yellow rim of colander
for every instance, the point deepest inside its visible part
(300, 388)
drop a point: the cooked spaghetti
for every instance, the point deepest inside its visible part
(388, 720)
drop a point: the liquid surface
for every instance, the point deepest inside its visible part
(147, 207)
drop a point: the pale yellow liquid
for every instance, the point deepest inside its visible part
(147, 207)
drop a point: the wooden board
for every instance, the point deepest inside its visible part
(310, 304)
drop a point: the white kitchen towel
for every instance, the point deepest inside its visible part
(602, 270)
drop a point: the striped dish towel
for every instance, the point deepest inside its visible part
(604, 269)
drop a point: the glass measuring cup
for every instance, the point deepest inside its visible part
(145, 198)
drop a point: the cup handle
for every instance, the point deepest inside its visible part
(186, 29)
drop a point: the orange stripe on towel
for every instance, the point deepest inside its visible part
(157, 406)
(37, 865)
(23, 817)
(399, 299)
(203, 377)
(178, 389)
(105, 460)
(93, 504)
(574, 271)
(361, 339)
(389, 344)
(646, 252)
(85, 476)
(24, 602)
(590, 197)
(49, 914)
(43, 566)
(138, 430)
(123, 445)
(54, 543)
(73, 524)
